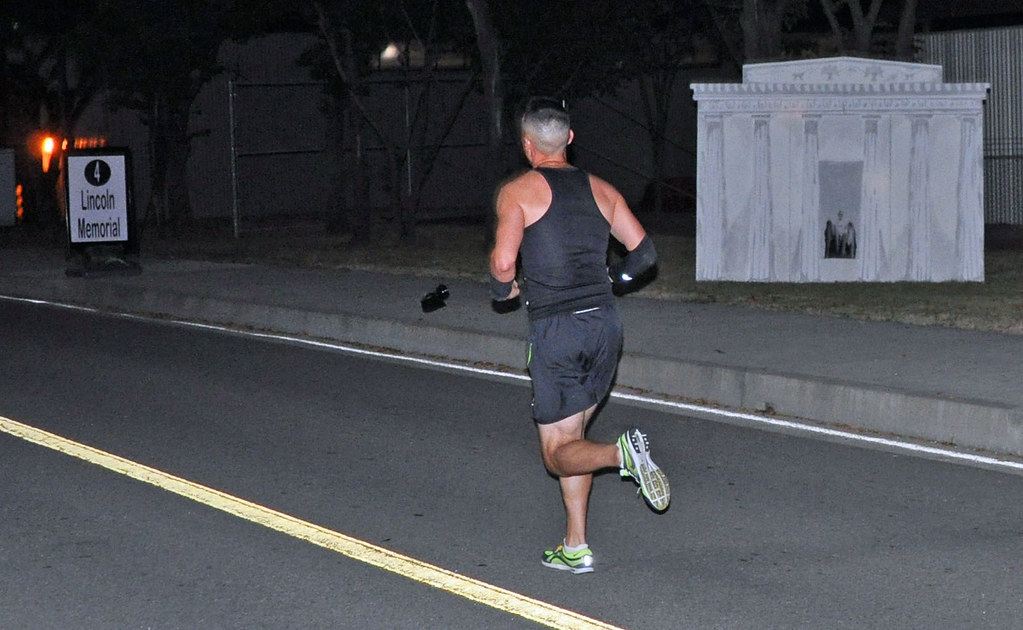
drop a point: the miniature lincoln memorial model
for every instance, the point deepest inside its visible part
(839, 170)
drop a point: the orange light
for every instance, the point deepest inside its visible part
(88, 142)
(19, 212)
(48, 146)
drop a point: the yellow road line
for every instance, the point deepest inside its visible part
(469, 588)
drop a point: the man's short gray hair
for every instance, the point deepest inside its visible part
(546, 122)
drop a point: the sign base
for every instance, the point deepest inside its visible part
(101, 260)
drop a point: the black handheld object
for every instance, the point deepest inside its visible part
(434, 299)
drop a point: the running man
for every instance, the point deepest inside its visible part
(558, 219)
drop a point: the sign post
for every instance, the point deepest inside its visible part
(8, 189)
(100, 213)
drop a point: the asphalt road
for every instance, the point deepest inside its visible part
(766, 530)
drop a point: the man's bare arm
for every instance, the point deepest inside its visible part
(627, 229)
(507, 238)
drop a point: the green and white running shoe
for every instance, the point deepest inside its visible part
(636, 463)
(580, 561)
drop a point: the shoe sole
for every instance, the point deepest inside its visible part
(653, 483)
(565, 567)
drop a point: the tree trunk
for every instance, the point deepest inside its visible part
(176, 182)
(761, 22)
(656, 97)
(721, 24)
(157, 167)
(169, 149)
(863, 25)
(343, 63)
(360, 218)
(836, 29)
(402, 165)
(904, 48)
(493, 90)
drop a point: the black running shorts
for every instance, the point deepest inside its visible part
(572, 360)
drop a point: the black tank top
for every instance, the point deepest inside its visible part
(564, 254)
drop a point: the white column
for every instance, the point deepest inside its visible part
(710, 207)
(869, 239)
(970, 224)
(811, 238)
(919, 210)
(760, 223)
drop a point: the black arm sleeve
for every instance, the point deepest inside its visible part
(635, 262)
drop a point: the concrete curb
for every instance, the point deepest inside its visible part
(968, 424)
(976, 425)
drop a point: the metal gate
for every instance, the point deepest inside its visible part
(992, 56)
(278, 147)
(282, 164)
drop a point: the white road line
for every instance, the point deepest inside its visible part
(752, 418)
(834, 433)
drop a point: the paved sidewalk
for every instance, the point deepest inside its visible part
(933, 384)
